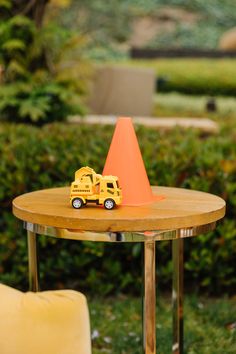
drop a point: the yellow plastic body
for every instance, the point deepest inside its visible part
(95, 188)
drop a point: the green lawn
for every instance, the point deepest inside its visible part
(116, 325)
(179, 105)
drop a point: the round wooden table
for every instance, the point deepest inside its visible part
(180, 213)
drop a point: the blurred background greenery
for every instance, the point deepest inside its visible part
(48, 53)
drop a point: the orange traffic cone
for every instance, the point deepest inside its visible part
(124, 160)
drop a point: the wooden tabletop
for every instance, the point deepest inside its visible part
(181, 208)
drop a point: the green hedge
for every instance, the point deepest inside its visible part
(33, 158)
(195, 76)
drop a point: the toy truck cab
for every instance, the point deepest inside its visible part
(90, 187)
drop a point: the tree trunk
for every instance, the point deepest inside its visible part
(34, 9)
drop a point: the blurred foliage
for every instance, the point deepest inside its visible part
(215, 17)
(106, 24)
(43, 72)
(109, 25)
(194, 76)
(188, 36)
(33, 158)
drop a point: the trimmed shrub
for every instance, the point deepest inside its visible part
(195, 76)
(33, 158)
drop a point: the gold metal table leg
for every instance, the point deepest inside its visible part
(177, 296)
(33, 264)
(149, 301)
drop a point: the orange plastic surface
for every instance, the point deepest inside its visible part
(124, 160)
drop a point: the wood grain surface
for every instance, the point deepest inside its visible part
(180, 208)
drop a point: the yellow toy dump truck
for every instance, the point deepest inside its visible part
(90, 187)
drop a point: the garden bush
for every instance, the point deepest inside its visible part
(194, 76)
(43, 73)
(33, 158)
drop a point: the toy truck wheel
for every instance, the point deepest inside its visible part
(77, 203)
(109, 204)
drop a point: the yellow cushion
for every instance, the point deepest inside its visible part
(49, 322)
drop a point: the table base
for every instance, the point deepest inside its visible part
(149, 296)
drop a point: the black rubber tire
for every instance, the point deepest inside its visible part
(77, 203)
(109, 204)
